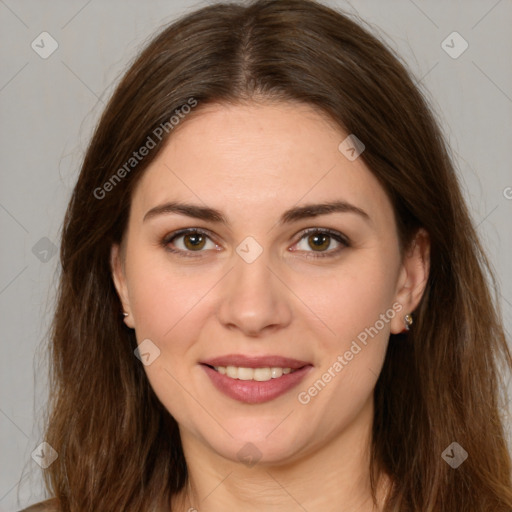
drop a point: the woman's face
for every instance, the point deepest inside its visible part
(261, 281)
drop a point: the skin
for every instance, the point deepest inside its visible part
(253, 162)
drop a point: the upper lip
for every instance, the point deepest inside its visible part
(244, 361)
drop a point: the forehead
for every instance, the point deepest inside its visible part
(257, 158)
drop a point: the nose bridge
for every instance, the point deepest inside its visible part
(252, 297)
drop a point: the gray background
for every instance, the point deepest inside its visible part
(48, 108)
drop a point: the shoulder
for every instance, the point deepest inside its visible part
(51, 505)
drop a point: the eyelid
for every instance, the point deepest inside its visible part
(338, 236)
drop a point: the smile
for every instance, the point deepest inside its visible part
(255, 385)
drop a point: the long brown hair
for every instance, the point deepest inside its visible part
(119, 448)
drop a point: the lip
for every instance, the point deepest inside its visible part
(256, 392)
(256, 361)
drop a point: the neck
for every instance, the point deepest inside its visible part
(332, 476)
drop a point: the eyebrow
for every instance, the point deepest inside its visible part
(292, 215)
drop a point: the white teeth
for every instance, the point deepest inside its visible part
(245, 373)
(232, 371)
(262, 374)
(258, 374)
(276, 372)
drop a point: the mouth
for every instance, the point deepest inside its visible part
(255, 380)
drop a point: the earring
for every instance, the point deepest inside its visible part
(125, 314)
(408, 321)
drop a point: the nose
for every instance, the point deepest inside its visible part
(254, 300)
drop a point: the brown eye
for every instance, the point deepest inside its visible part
(195, 241)
(187, 242)
(318, 241)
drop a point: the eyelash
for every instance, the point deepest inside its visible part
(190, 254)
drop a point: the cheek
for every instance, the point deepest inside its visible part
(351, 298)
(166, 305)
(357, 307)
(162, 298)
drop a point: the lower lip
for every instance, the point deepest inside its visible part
(255, 392)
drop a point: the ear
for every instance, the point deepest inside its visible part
(412, 278)
(119, 278)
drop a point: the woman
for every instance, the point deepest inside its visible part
(272, 295)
